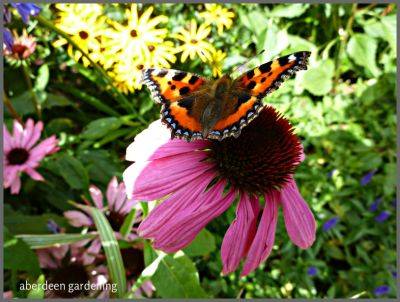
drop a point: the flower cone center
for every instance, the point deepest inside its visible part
(17, 156)
(263, 157)
(133, 262)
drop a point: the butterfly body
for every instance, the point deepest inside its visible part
(194, 107)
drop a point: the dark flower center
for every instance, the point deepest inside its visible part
(133, 262)
(116, 220)
(263, 157)
(17, 156)
(71, 275)
(193, 41)
(83, 35)
(19, 50)
(151, 48)
(140, 66)
(133, 33)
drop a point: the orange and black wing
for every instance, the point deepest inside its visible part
(253, 86)
(172, 88)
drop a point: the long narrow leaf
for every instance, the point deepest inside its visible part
(50, 240)
(113, 254)
(128, 223)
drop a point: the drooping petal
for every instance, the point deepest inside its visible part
(34, 174)
(112, 190)
(35, 135)
(178, 202)
(97, 196)
(156, 179)
(155, 142)
(299, 220)
(16, 185)
(47, 146)
(90, 254)
(264, 239)
(77, 218)
(120, 198)
(177, 233)
(240, 233)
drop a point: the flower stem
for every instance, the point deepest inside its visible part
(11, 108)
(114, 91)
(35, 100)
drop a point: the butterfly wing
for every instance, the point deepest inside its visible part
(172, 88)
(253, 86)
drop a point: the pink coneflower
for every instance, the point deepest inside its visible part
(201, 180)
(116, 209)
(68, 265)
(22, 48)
(20, 154)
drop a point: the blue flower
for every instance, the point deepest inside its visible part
(394, 274)
(312, 271)
(26, 10)
(330, 224)
(374, 206)
(381, 290)
(8, 38)
(367, 177)
(382, 216)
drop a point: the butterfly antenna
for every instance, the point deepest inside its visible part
(241, 68)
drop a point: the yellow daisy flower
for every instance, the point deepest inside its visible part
(127, 75)
(70, 10)
(85, 27)
(161, 55)
(138, 34)
(217, 62)
(218, 15)
(194, 42)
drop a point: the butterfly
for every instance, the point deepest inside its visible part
(194, 107)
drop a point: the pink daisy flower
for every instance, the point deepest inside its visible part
(21, 154)
(200, 180)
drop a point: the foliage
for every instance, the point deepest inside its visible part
(343, 108)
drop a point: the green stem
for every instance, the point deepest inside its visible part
(114, 91)
(11, 108)
(35, 100)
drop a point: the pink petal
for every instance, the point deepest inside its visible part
(77, 218)
(240, 233)
(34, 174)
(112, 190)
(47, 146)
(90, 255)
(10, 173)
(35, 135)
(46, 260)
(156, 179)
(155, 142)
(299, 220)
(7, 140)
(16, 185)
(18, 129)
(178, 202)
(96, 195)
(185, 225)
(120, 198)
(264, 239)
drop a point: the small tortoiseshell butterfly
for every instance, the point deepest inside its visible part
(194, 107)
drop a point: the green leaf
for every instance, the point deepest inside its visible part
(37, 291)
(203, 244)
(362, 49)
(288, 10)
(50, 240)
(177, 277)
(128, 223)
(18, 255)
(101, 127)
(73, 172)
(115, 264)
(42, 78)
(318, 79)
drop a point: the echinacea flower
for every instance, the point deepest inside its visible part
(195, 42)
(200, 180)
(330, 223)
(21, 154)
(25, 10)
(381, 290)
(218, 15)
(22, 48)
(70, 265)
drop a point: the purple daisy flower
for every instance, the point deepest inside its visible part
(382, 216)
(26, 10)
(194, 176)
(367, 177)
(312, 271)
(381, 290)
(329, 224)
